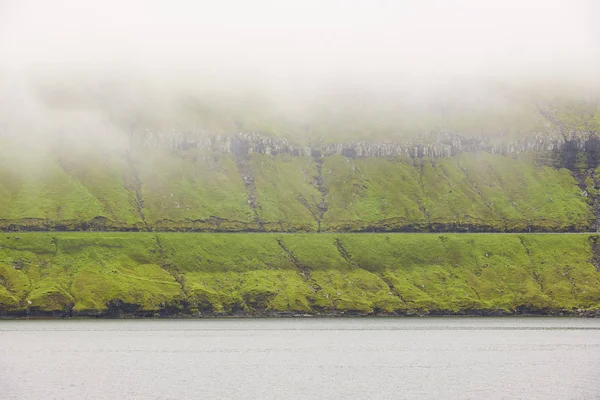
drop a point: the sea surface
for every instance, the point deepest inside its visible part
(324, 358)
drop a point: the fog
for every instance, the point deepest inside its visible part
(90, 69)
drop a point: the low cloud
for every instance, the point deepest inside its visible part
(83, 68)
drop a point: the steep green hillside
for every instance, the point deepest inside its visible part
(113, 154)
(274, 190)
(199, 189)
(275, 274)
(477, 192)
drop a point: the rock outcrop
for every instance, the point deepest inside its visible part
(429, 144)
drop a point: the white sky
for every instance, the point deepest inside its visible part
(366, 41)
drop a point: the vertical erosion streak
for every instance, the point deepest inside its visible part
(536, 275)
(170, 268)
(581, 176)
(391, 289)
(595, 200)
(344, 253)
(303, 270)
(322, 206)
(302, 200)
(422, 185)
(241, 161)
(133, 184)
(595, 247)
(479, 193)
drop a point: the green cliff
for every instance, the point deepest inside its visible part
(145, 274)
(499, 160)
(200, 190)
(279, 217)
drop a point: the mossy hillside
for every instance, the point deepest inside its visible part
(37, 186)
(365, 192)
(286, 192)
(482, 271)
(84, 273)
(477, 192)
(199, 190)
(467, 192)
(258, 274)
(225, 273)
(337, 282)
(520, 190)
(106, 175)
(189, 187)
(62, 188)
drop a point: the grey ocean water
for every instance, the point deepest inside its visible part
(362, 358)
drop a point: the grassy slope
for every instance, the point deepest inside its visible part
(186, 190)
(476, 191)
(93, 273)
(286, 191)
(68, 188)
(196, 190)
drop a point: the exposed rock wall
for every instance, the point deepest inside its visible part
(430, 144)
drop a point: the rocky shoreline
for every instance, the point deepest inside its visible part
(522, 312)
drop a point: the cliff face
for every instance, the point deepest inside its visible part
(430, 144)
(168, 274)
(260, 183)
(254, 182)
(505, 166)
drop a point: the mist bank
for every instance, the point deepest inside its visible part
(108, 111)
(306, 41)
(341, 71)
(144, 274)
